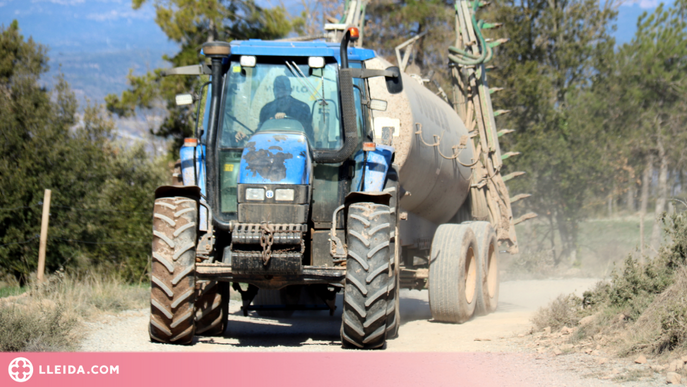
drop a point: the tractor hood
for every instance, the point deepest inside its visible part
(276, 158)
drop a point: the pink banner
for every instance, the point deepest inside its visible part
(355, 368)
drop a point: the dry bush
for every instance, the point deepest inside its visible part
(35, 327)
(563, 311)
(47, 316)
(663, 325)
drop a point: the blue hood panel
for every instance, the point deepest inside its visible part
(276, 158)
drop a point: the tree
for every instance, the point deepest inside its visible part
(389, 23)
(191, 23)
(651, 70)
(102, 195)
(556, 51)
(316, 13)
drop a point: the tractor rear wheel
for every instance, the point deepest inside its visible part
(453, 274)
(367, 276)
(393, 319)
(212, 308)
(172, 293)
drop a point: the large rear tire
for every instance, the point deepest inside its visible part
(488, 286)
(453, 274)
(212, 308)
(364, 316)
(393, 319)
(393, 312)
(172, 293)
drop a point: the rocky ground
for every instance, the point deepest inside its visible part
(595, 358)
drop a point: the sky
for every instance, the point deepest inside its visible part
(95, 42)
(80, 25)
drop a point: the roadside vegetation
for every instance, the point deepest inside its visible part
(49, 316)
(640, 310)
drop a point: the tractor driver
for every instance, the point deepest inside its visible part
(284, 106)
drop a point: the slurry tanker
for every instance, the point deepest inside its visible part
(321, 169)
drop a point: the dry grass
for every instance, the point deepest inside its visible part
(563, 311)
(47, 317)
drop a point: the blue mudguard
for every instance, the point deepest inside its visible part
(374, 165)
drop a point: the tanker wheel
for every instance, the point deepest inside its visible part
(453, 274)
(364, 315)
(288, 296)
(172, 293)
(212, 308)
(488, 286)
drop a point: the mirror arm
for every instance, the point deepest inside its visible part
(369, 73)
(202, 69)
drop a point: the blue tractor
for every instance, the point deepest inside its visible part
(283, 195)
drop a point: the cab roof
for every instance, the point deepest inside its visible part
(289, 49)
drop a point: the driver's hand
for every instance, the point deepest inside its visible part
(279, 116)
(240, 136)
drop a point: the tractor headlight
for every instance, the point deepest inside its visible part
(255, 194)
(284, 195)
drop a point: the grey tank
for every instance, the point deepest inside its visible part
(437, 182)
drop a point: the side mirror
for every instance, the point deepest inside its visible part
(184, 99)
(378, 104)
(394, 85)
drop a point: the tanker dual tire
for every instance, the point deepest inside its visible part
(488, 286)
(287, 296)
(172, 293)
(364, 318)
(453, 274)
(212, 308)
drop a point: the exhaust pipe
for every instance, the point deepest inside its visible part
(217, 52)
(348, 112)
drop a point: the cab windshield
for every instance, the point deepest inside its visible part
(282, 96)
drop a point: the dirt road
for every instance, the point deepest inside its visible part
(487, 348)
(317, 331)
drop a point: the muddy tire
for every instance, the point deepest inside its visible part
(289, 295)
(212, 308)
(393, 315)
(367, 276)
(453, 274)
(172, 293)
(488, 286)
(393, 311)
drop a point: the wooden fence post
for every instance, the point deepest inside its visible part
(44, 235)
